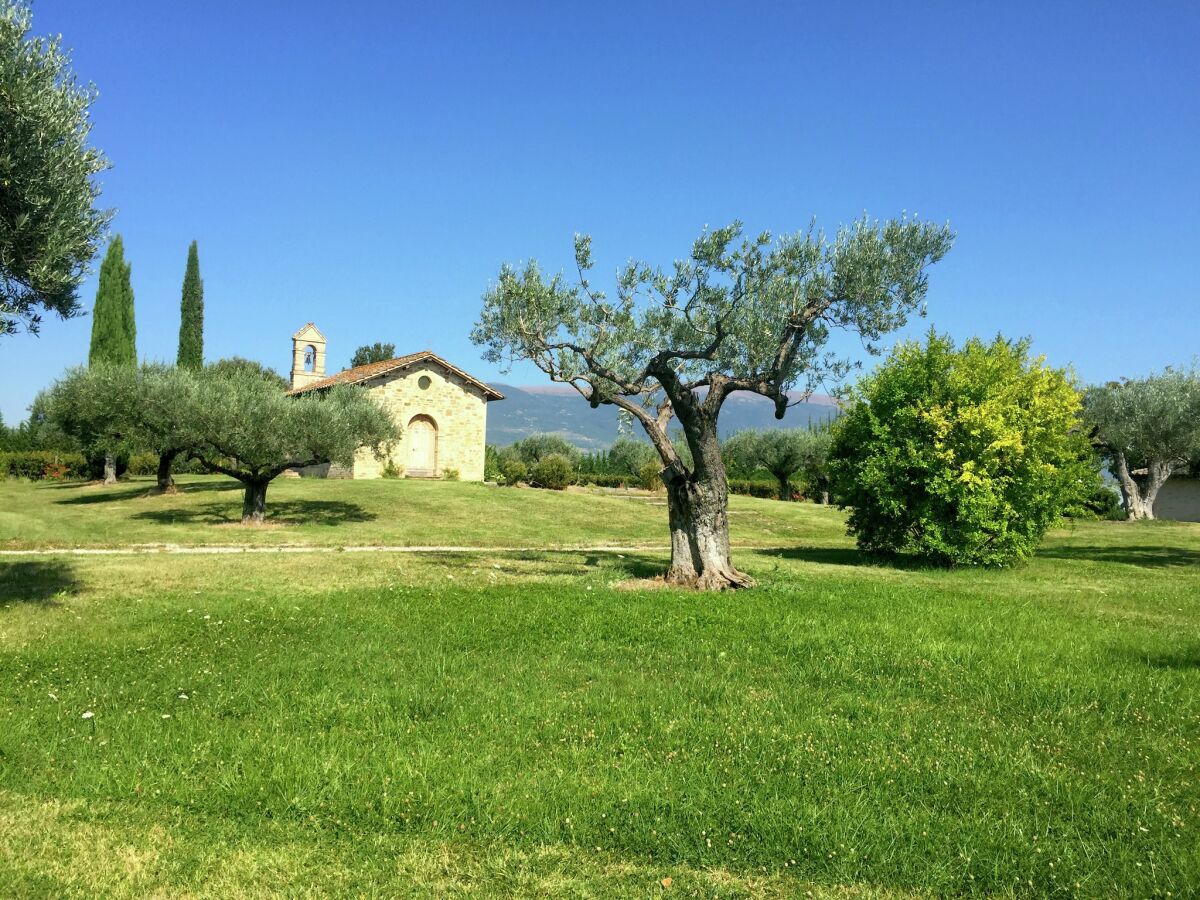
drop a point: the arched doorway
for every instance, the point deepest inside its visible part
(422, 448)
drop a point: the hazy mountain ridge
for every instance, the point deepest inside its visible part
(559, 409)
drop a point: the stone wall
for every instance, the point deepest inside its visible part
(1178, 499)
(458, 410)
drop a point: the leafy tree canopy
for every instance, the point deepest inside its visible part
(50, 229)
(739, 314)
(628, 456)
(232, 365)
(96, 406)
(372, 353)
(1149, 428)
(783, 453)
(533, 449)
(250, 430)
(960, 456)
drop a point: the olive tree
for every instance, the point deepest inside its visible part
(783, 453)
(50, 228)
(108, 405)
(536, 447)
(1148, 428)
(248, 429)
(94, 407)
(163, 416)
(739, 314)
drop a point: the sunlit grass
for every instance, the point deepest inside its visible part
(501, 724)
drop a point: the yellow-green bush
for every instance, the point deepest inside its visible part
(960, 456)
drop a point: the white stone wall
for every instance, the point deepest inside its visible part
(458, 409)
(1178, 499)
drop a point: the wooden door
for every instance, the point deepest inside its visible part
(422, 448)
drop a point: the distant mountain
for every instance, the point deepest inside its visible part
(558, 408)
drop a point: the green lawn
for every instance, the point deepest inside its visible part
(346, 513)
(498, 724)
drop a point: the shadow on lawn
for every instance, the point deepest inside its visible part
(554, 562)
(847, 556)
(36, 581)
(99, 494)
(1184, 657)
(1146, 555)
(282, 512)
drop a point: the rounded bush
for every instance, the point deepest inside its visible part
(960, 457)
(553, 472)
(513, 471)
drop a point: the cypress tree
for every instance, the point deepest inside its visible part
(191, 315)
(114, 333)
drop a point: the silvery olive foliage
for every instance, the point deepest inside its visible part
(50, 228)
(1149, 429)
(740, 313)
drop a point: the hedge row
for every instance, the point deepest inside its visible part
(43, 464)
(766, 489)
(56, 465)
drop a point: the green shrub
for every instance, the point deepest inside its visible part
(553, 472)
(537, 447)
(38, 465)
(766, 490)
(491, 464)
(961, 457)
(649, 477)
(449, 474)
(391, 470)
(513, 471)
(1102, 501)
(143, 464)
(603, 479)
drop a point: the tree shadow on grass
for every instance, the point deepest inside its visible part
(144, 489)
(1184, 657)
(283, 512)
(1145, 555)
(571, 563)
(848, 556)
(36, 581)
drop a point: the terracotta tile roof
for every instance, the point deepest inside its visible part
(359, 374)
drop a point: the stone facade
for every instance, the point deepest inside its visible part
(432, 406)
(441, 411)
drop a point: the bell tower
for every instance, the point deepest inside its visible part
(308, 356)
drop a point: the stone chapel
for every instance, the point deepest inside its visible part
(441, 410)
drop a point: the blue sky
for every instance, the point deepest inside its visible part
(371, 167)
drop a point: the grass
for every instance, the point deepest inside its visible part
(343, 513)
(499, 724)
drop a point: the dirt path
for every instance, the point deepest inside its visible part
(150, 549)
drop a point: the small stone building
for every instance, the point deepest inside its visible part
(441, 410)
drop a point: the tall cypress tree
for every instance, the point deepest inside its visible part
(114, 333)
(191, 315)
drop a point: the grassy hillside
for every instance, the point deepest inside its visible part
(500, 724)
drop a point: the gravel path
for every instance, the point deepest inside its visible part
(216, 549)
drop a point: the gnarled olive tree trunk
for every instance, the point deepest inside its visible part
(166, 483)
(254, 501)
(1139, 491)
(699, 516)
(698, 510)
(110, 467)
